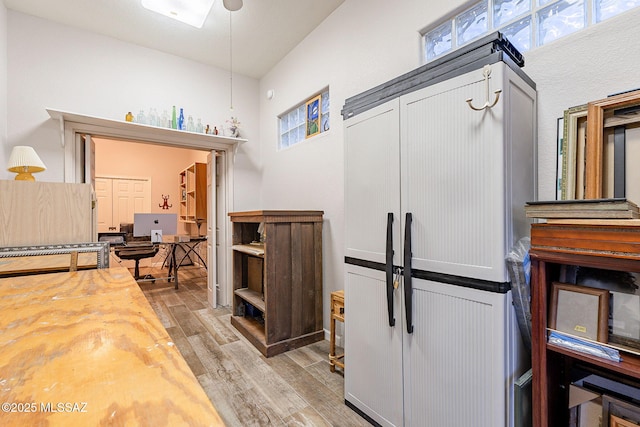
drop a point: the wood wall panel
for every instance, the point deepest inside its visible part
(44, 213)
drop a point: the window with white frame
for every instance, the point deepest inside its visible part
(306, 120)
(526, 23)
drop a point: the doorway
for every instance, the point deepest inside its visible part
(79, 162)
(136, 177)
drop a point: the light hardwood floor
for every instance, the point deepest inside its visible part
(295, 388)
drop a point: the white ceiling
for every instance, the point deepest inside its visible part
(263, 31)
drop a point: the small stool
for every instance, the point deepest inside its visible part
(337, 313)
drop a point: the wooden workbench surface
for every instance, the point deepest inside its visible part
(86, 348)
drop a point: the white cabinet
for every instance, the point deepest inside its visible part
(438, 189)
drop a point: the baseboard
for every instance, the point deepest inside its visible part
(339, 338)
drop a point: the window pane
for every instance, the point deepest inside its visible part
(472, 23)
(508, 10)
(519, 34)
(560, 19)
(293, 124)
(605, 9)
(325, 123)
(543, 2)
(438, 41)
(325, 102)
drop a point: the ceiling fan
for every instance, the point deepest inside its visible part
(232, 5)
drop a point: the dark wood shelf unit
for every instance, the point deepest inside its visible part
(282, 279)
(609, 245)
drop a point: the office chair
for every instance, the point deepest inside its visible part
(136, 249)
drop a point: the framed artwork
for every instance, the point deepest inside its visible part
(619, 413)
(580, 311)
(624, 304)
(626, 103)
(573, 152)
(559, 162)
(620, 422)
(313, 116)
(54, 257)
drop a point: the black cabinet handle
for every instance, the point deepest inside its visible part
(389, 268)
(408, 289)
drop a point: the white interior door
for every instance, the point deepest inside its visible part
(212, 282)
(104, 201)
(130, 196)
(118, 199)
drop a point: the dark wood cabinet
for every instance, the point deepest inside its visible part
(608, 245)
(277, 278)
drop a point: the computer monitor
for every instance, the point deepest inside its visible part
(144, 223)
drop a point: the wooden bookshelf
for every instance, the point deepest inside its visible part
(614, 246)
(193, 193)
(277, 301)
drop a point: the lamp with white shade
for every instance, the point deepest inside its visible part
(24, 161)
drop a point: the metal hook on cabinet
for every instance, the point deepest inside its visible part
(486, 71)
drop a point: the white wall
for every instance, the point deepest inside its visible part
(367, 42)
(583, 67)
(55, 66)
(4, 150)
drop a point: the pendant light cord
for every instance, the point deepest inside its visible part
(230, 64)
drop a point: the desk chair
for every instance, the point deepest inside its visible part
(138, 253)
(135, 249)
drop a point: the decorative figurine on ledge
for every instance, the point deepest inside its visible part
(234, 127)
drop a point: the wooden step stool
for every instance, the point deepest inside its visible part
(337, 313)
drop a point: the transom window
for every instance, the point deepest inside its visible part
(526, 23)
(306, 120)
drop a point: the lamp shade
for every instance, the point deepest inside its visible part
(24, 161)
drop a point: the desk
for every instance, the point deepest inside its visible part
(91, 340)
(188, 248)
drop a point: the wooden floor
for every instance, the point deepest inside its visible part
(292, 389)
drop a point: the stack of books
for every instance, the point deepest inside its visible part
(585, 208)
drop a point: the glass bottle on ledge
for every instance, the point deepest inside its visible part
(164, 120)
(181, 125)
(153, 117)
(142, 119)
